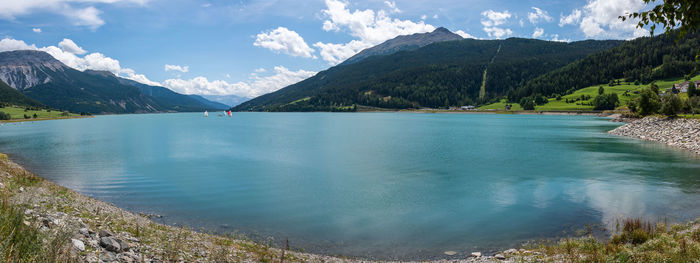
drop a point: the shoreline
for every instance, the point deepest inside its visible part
(676, 132)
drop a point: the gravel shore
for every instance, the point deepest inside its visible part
(677, 132)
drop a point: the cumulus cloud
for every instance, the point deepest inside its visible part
(538, 15)
(80, 16)
(9, 44)
(68, 53)
(257, 86)
(36, 30)
(284, 40)
(599, 19)
(538, 32)
(68, 45)
(491, 20)
(370, 27)
(183, 69)
(464, 34)
(573, 18)
(555, 37)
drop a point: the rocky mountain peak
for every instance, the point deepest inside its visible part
(23, 69)
(405, 42)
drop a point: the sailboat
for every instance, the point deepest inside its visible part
(206, 114)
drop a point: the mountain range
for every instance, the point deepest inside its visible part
(447, 72)
(439, 74)
(40, 77)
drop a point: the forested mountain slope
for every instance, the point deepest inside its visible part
(643, 59)
(437, 75)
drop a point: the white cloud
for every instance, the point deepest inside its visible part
(260, 70)
(491, 20)
(423, 17)
(464, 34)
(81, 16)
(600, 19)
(68, 45)
(284, 40)
(36, 30)
(392, 6)
(436, 16)
(538, 32)
(368, 26)
(183, 69)
(571, 19)
(538, 15)
(555, 37)
(66, 53)
(256, 87)
(9, 44)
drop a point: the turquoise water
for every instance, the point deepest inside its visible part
(378, 185)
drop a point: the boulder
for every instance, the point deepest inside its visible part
(476, 254)
(106, 233)
(500, 256)
(111, 244)
(123, 244)
(84, 231)
(78, 245)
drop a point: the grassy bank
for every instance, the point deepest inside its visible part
(21, 113)
(625, 92)
(44, 222)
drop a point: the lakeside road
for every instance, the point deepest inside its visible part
(676, 132)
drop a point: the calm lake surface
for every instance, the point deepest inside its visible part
(379, 185)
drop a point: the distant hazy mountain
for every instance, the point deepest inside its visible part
(407, 42)
(39, 76)
(210, 103)
(230, 100)
(441, 74)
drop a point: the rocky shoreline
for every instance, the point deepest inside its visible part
(676, 132)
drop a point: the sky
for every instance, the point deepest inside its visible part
(249, 47)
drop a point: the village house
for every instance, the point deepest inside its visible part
(683, 86)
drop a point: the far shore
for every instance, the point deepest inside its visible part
(44, 119)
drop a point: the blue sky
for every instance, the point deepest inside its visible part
(249, 48)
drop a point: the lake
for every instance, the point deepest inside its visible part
(375, 185)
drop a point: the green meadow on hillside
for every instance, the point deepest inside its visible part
(18, 113)
(591, 92)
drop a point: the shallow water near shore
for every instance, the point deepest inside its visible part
(376, 185)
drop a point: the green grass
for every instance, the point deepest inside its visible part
(592, 91)
(17, 113)
(637, 241)
(501, 105)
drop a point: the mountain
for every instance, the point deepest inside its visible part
(171, 100)
(437, 75)
(27, 68)
(407, 42)
(211, 104)
(10, 96)
(643, 59)
(230, 100)
(41, 77)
